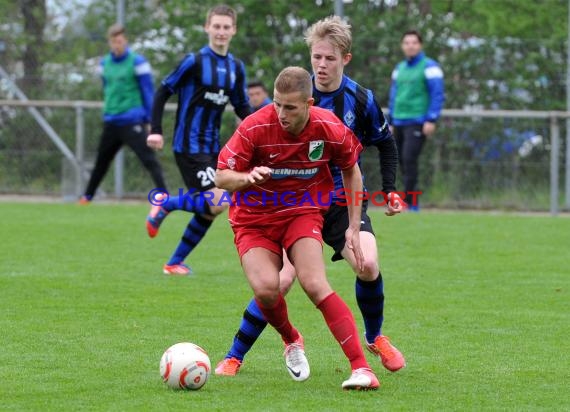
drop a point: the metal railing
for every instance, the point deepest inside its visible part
(554, 118)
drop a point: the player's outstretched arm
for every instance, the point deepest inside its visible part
(155, 139)
(352, 182)
(233, 181)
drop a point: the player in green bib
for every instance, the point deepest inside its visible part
(416, 99)
(128, 94)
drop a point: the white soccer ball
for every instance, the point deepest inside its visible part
(185, 366)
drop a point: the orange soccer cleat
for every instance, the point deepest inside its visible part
(179, 269)
(154, 219)
(84, 200)
(391, 358)
(228, 367)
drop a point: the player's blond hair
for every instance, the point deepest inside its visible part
(116, 30)
(335, 30)
(221, 10)
(294, 79)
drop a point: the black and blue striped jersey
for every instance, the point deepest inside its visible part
(360, 111)
(205, 82)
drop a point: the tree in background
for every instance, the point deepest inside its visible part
(22, 37)
(34, 13)
(508, 54)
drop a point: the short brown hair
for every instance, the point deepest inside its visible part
(294, 79)
(116, 30)
(221, 10)
(333, 28)
(257, 83)
(413, 33)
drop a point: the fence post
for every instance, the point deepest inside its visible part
(120, 159)
(79, 147)
(567, 165)
(119, 173)
(554, 156)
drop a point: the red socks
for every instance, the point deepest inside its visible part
(339, 320)
(277, 317)
(341, 323)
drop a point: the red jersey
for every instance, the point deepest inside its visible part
(300, 180)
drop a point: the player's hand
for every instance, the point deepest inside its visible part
(155, 141)
(353, 243)
(259, 174)
(395, 204)
(428, 129)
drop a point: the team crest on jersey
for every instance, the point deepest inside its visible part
(349, 118)
(316, 149)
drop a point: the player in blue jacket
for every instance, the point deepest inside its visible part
(416, 99)
(127, 92)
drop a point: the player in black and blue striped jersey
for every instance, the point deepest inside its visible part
(329, 41)
(359, 109)
(205, 82)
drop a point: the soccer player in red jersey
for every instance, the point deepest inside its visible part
(330, 43)
(279, 156)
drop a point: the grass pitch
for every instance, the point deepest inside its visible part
(479, 305)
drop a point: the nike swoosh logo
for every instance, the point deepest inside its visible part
(316, 232)
(345, 340)
(273, 155)
(297, 374)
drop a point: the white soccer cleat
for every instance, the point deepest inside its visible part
(296, 361)
(361, 380)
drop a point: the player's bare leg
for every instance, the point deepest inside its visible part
(370, 251)
(252, 325)
(307, 256)
(287, 275)
(261, 267)
(218, 203)
(370, 277)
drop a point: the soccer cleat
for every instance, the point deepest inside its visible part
(180, 269)
(228, 367)
(154, 219)
(362, 379)
(84, 200)
(296, 361)
(391, 358)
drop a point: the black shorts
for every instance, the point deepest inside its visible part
(198, 170)
(335, 225)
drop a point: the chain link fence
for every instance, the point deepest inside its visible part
(480, 160)
(476, 162)
(500, 162)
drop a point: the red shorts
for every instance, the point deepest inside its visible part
(279, 234)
